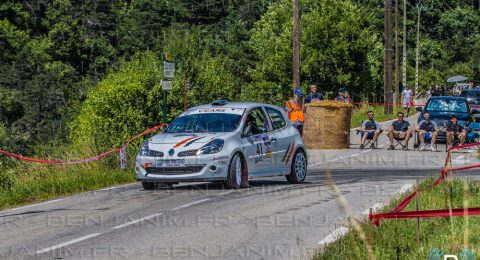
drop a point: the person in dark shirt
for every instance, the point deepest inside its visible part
(314, 95)
(399, 129)
(453, 130)
(370, 130)
(427, 130)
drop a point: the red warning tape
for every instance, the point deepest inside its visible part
(396, 212)
(90, 159)
(430, 213)
(388, 105)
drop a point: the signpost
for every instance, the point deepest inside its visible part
(167, 83)
(168, 70)
(123, 159)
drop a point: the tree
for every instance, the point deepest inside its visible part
(340, 48)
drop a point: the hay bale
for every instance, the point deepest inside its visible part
(327, 125)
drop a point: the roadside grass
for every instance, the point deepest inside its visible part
(397, 238)
(360, 114)
(23, 183)
(45, 183)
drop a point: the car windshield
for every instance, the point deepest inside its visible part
(471, 94)
(447, 105)
(203, 123)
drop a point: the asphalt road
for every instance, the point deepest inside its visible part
(269, 220)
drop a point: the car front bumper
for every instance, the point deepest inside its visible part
(195, 169)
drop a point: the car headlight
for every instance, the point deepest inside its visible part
(144, 151)
(213, 146)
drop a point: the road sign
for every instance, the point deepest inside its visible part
(166, 85)
(168, 70)
(167, 56)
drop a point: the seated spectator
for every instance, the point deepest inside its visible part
(427, 130)
(453, 130)
(370, 130)
(314, 95)
(400, 129)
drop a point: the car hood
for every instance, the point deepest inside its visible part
(186, 140)
(441, 118)
(446, 115)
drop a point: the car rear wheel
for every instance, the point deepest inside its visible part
(235, 173)
(298, 171)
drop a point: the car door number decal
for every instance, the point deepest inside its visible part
(262, 146)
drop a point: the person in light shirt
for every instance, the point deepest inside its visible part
(406, 100)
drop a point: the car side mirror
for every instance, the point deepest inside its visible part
(419, 109)
(247, 130)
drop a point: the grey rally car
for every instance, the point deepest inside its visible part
(225, 142)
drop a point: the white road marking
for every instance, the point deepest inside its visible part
(137, 221)
(334, 236)
(376, 207)
(34, 205)
(48, 249)
(404, 189)
(111, 188)
(190, 204)
(460, 161)
(226, 193)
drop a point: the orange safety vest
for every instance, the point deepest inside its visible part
(296, 112)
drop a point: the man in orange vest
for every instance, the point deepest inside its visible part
(295, 108)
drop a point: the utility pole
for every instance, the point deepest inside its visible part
(397, 58)
(387, 88)
(417, 51)
(185, 90)
(404, 62)
(296, 44)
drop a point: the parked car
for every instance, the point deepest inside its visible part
(473, 98)
(442, 107)
(225, 142)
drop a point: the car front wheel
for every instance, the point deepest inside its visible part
(235, 173)
(148, 185)
(298, 171)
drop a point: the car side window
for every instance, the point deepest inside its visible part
(257, 122)
(276, 117)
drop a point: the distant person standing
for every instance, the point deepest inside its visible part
(429, 93)
(343, 96)
(295, 108)
(314, 95)
(406, 100)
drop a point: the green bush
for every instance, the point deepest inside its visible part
(129, 100)
(123, 104)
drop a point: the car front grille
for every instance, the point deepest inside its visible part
(188, 153)
(175, 170)
(441, 123)
(155, 153)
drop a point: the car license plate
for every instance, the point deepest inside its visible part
(170, 163)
